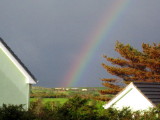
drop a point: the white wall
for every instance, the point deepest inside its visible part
(130, 97)
(134, 100)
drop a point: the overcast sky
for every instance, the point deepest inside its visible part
(47, 35)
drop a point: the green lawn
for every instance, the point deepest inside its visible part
(60, 100)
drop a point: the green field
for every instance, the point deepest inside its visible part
(63, 100)
(41, 92)
(46, 95)
(45, 100)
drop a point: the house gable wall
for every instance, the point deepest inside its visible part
(133, 99)
(13, 87)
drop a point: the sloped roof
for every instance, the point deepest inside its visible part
(150, 90)
(18, 60)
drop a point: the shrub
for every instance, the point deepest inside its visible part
(76, 108)
(15, 112)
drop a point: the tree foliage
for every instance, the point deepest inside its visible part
(133, 65)
(76, 108)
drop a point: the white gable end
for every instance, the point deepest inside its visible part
(130, 97)
(29, 79)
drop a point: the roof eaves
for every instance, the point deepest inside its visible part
(144, 95)
(115, 99)
(18, 60)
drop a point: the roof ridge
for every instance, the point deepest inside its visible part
(154, 83)
(148, 89)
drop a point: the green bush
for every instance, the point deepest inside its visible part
(15, 112)
(76, 108)
(70, 110)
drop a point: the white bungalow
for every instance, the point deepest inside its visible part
(137, 96)
(84, 90)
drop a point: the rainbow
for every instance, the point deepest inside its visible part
(93, 41)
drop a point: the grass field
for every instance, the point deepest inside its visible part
(61, 101)
(45, 100)
(61, 96)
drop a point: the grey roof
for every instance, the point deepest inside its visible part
(20, 62)
(150, 90)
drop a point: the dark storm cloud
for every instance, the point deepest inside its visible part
(48, 35)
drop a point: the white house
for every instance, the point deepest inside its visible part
(137, 96)
(58, 88)
(84, 90)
